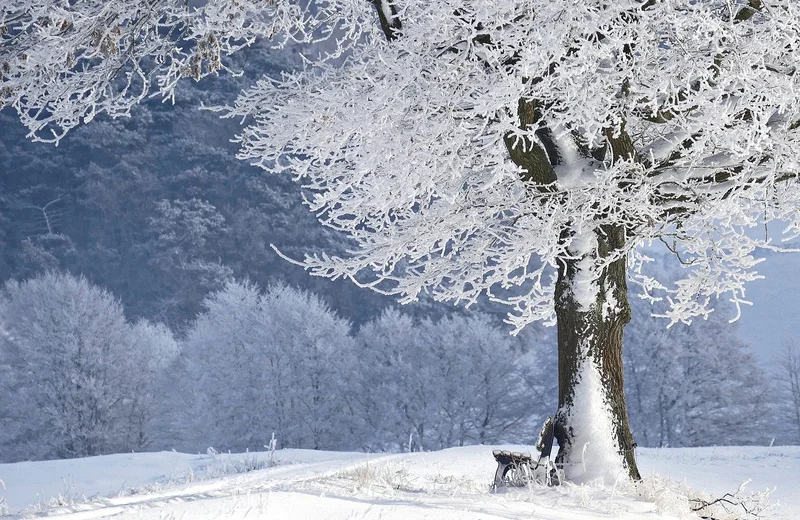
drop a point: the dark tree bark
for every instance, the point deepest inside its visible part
(595, 336)
(387, 16)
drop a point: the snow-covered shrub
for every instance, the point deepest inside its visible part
(739, 505)
(677, 499)
(77, 378)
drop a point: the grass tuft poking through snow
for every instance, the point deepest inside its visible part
(387, 479)
(670, 497)
(371, 477)
(225, 464)
(3, 505)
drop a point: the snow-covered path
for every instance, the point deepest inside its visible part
(446, 485)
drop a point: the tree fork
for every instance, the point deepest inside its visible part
(595, 336)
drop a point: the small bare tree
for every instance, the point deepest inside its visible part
(49, 213)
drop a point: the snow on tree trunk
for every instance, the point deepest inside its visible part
(592, 309)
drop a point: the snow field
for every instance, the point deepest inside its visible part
(447, 485)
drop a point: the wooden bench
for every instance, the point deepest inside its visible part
(519, 469)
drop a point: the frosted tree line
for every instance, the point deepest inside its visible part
(78, 379)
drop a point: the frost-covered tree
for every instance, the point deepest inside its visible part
(518, 148)
(447, 383)
(695, 385)
(389, 361)
(787, 383)
(181, 230)
(259, 362)
(151, 351)
(470, 352)
(80, 378)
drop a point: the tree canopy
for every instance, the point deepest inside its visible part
(456, 150)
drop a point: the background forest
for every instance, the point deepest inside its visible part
(144, 309)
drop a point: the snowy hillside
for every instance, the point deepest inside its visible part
(446, 485)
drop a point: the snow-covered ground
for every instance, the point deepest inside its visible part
(445, 485)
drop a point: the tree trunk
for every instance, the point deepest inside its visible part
(592, 421)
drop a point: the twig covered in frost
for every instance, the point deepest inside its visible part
(737, 505)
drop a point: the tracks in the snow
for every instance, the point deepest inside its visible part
(280, 478)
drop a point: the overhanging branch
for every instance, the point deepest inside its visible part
(388, 17)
